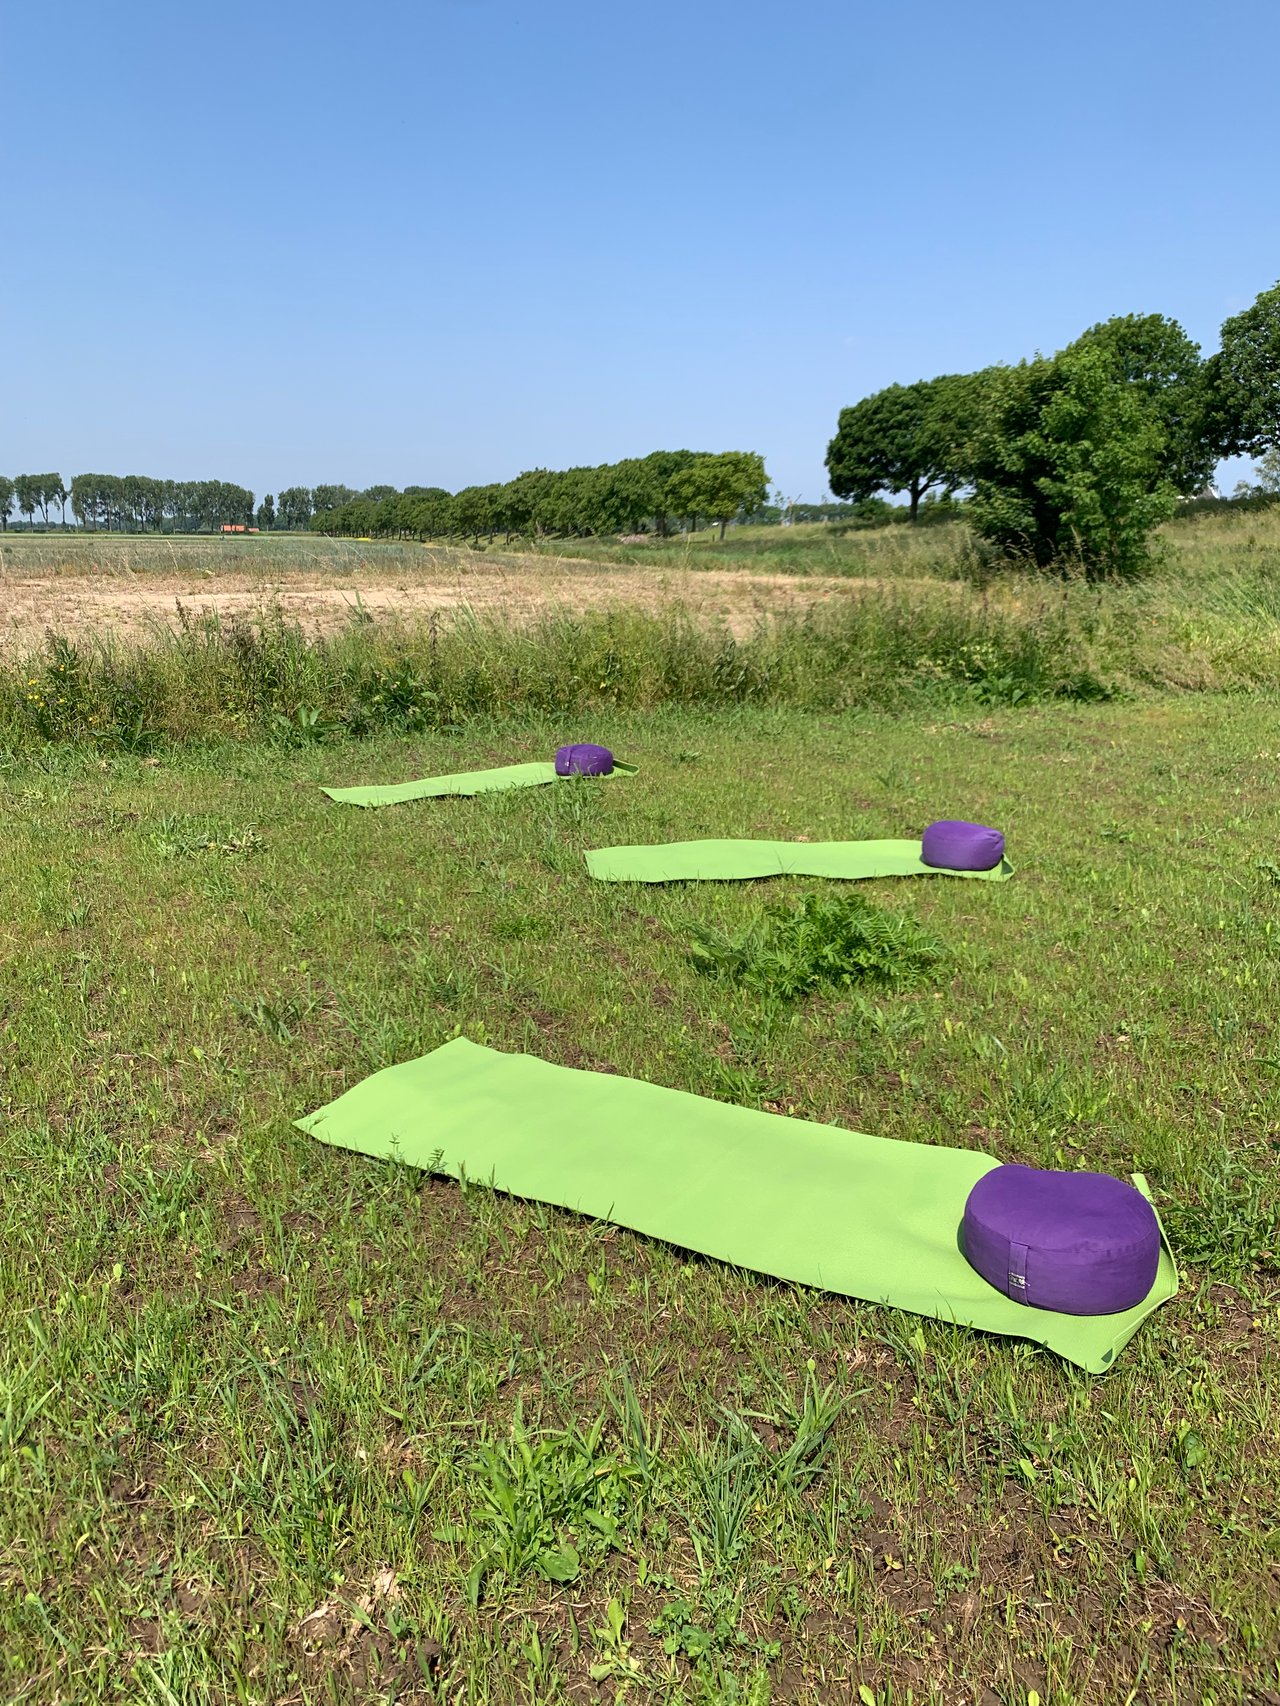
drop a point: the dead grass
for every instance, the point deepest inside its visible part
(81, 600)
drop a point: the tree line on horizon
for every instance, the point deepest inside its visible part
(1073, 458)
(639, 494)
(136, 503)
(644, 494)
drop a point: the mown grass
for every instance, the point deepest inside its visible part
(280, 1424)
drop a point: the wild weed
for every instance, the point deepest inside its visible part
(823, 943)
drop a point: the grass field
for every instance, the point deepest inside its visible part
(282, 1425)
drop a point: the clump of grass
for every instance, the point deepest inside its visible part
(787, 952)
(1231, 1227)
(545, 1501)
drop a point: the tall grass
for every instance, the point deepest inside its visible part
(216, 678)
(941, 552)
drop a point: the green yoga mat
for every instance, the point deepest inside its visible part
(867, 1217)
(464, 782)
(735, 861)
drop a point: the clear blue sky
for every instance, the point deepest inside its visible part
(437, 243)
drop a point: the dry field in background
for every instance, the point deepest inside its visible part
(83, 587)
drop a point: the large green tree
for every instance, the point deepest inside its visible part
(1156, 358)
(1244, 379)
(294, 506)
(1071, 462)
(266, 517)
(529, 498)
(426, 511)
(26, 489)
(6, 501)
(906, 438)
(719, 487)
(480, 510)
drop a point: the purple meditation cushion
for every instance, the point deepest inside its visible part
(953, 845)
(1080, 1243)
(584, 760)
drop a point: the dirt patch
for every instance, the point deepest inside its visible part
(135, 606)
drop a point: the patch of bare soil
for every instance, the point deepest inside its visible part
(133, 607)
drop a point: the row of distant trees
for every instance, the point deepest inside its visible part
(643, 494)
(1077, 456)
(646, 494)
(136, 503)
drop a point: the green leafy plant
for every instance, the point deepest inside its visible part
(787, 952)
(544, 1502)
(175, 836)
(305, 727)
(275, 1019)
(694, 1630)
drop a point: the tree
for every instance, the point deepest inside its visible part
(427, 511)
(27, 490)
(44, 487)
(719, 487)
(528, 499)
(1071, 462)
(55, 493)
(86, 499)
(1268, 473)
(659, 467)
(267, 513)
(479, 509)
(1244, 379)
(377, 494)
(294, 507)
(6, 501)
(330, 497)
(907, 438)
(1157, 357)
(142, 499)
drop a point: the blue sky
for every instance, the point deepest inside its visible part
(437, 243)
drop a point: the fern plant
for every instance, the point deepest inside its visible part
(833, 943)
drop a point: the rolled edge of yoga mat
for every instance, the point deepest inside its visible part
(1076, 1243)
(951, 844)
(583, 759)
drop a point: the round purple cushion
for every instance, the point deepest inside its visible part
(583, 760)
(952, 845)
(1081, 1243)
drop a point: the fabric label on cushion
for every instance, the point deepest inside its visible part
(1018, 1272)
